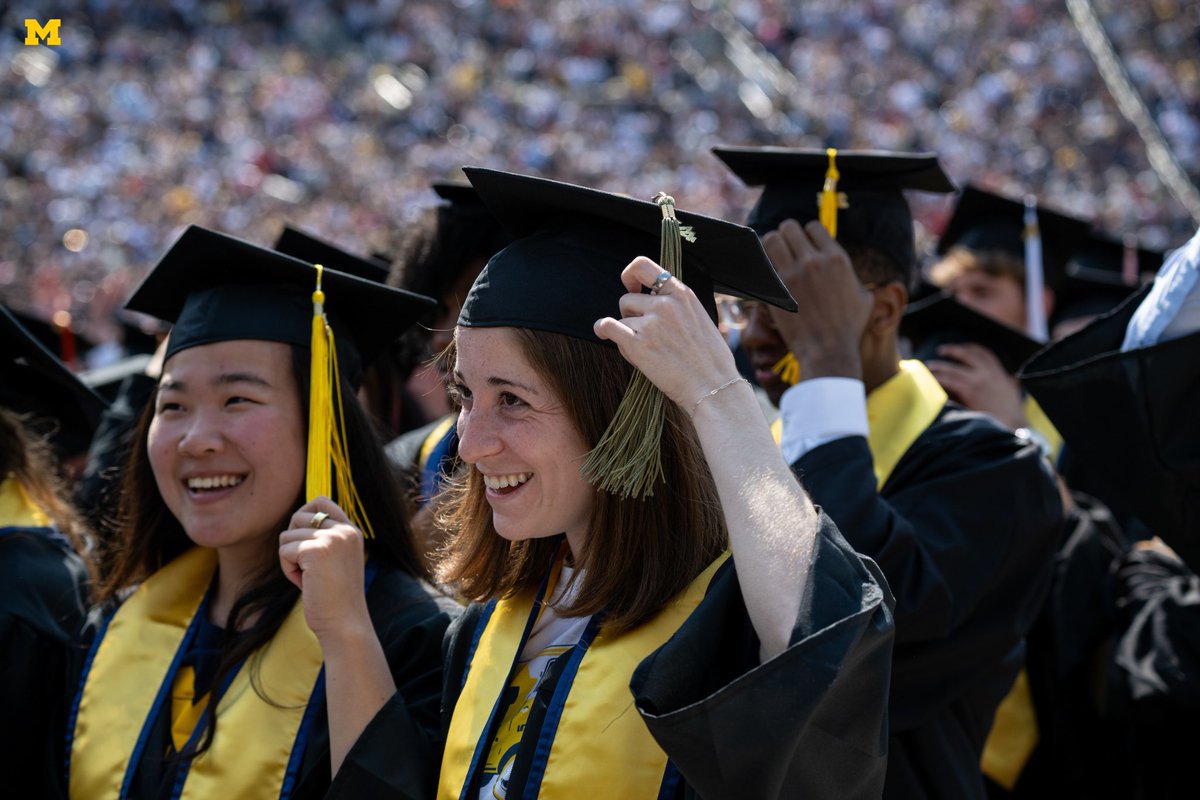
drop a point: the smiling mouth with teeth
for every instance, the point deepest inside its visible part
(497, 482)
(214, 482)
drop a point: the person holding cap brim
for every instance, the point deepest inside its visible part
(615, 457)
(266, 598)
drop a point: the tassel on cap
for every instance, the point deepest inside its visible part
(627, 460)
(1035, 311)
(328, 469)
(788, 368)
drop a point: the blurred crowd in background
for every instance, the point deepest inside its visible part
(243, 114)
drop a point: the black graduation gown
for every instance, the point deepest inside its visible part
(410, 625)
(1134, 415)
(965, 529)
(43, 610)
(1083, 748)
(811, 722)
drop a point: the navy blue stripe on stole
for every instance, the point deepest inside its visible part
(554, 710)
(670, 783)
(315, 701)
(480, 626)
(485, 740)
(164, 692)
(73, 716)
(193, 742)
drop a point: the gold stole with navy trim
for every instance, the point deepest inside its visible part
(601, 739)
(133, 666)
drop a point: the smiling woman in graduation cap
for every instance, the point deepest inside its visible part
(615, 457)
(223, 674)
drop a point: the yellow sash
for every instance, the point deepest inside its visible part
(601, 739)
(17, 509)
(435, 436)
(898, 411)
(1038, 420)
(130, 679)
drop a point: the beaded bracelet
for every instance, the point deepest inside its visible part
(724, 385)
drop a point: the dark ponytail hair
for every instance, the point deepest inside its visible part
(149, 536)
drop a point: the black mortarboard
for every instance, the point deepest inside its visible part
(106, 381)
(562, 272)
(941, 319)
(214, 288)
(1102, 273)
(306, 247)
(56, 334)
(459, 194)
(983, 221)
(34, 381)
(871, 183)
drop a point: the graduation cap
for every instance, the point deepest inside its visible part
(458, 194)
(57, 334)
(306, 247)
(216, 288)
(940, 319)
(106, 381)
(1039, 238)
(1102, 273)
(34, 381)
(562, 272)
(593, 234)
(866, 204)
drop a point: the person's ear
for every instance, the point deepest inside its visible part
(890, 300)
(1048, 301)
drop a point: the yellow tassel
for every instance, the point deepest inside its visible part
(328, 471)
(628, 458)
(829, 196)
(788, 369)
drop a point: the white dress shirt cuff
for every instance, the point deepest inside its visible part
(820, 410)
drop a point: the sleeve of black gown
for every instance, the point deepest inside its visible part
(811, 722)
(965, 532)
(1133, 414)
(399, 752)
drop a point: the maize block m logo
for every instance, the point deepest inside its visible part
(48, 33)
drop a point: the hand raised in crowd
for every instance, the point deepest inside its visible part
(825, 332)
(668, 336)
(973, 376)
(322, 553)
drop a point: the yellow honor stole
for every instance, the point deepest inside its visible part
(592, 735)
(130, 676)
(898, 411)
(17, 509)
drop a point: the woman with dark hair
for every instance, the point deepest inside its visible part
(44, 581)
(221, 674)
(613, 649)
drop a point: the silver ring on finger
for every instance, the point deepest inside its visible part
(660, 281)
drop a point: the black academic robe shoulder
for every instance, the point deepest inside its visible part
(811, 722)
(1133, 416)
(43, 612)
(410, 620)
(964, 529)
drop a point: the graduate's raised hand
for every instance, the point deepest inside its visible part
(974, 376)
(824, 334)
(322, 553)
(668, 336)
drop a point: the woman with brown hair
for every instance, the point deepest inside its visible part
(226, 666)
(43, 578)
(613, 649)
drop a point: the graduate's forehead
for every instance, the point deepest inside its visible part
(493, 356)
